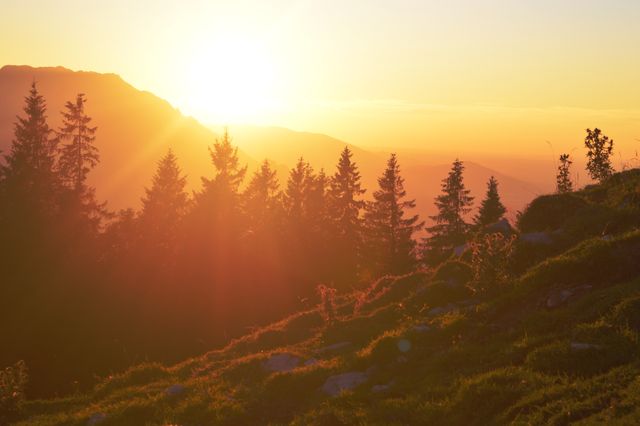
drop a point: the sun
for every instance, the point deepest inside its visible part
(231, 79)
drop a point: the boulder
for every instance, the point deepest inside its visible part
(96, 418)
(404, 345)
(502, 226)
(459, 250)
(334, 347)
(334, 385)
(537, 238)
(281, 362)
(175, 390)
(558, 298)
(422, 328)
(578, 346)
(310, 362)
(380, 388)
(440, 310)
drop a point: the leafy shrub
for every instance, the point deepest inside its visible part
(13, 381)
(595, 349)
(490, 259)
(454, 273)
(327, 303)
(550, 212)
(627, 313)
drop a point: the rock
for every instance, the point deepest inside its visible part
(281, 362)
(421, 328)
(175, 390)
(607, 237)
(380, 388)
(459, 250)
(558, 298)
(404, 345)
(334, 385)
(502, 226)
(439, 310)
(96, 419)
(334, 347)
(536, 238)
(577, 346)
(310, 362)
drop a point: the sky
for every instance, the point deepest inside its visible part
(511, 77)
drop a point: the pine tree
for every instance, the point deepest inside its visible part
(220, 195)
(79, 155)
(563, 178)
(30, 184)
(453, 204)
(598, 155)
(297, 191)
(491, 209)
(30, 188)
(345, 207)
(389, 234)
(164, 204)
(344, 193)
(262, 197)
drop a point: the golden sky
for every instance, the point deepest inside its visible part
(461, 75)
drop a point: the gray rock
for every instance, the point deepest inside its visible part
(334, 385)
(334, 347)
(502, 226)
(421, 328)
(440, 310)
(577, 346)
(281, 362)
(558, 298)
(459, 250)
(175, 390)
(380, 388)
(404, 345)
(310, 362)
(96, 419)
(537, 238)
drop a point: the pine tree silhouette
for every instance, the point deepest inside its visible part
(491, 208)
(453, 204)
(345, 208)
(164, 204)
(389, 234)
(79, 154)
(262, 199)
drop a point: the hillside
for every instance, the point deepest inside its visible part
(556, 344)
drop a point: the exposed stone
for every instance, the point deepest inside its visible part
(536, 238)
(404, 345)
(281, 362)
(459, 250)
(310, 362)
(174, 390)
(558, 298)
(380, 388)
(502, 226)
(439, 310)
(96, 419)
(577, 346)
(334, 347)
(334, 385)
(422, 328)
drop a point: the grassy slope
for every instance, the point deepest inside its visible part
(499, 358)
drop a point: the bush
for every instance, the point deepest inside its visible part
(13, 381)
(490, 258)
(454, 273)
(550, 212)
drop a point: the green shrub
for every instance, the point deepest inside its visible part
(490, 258)
(454, 273)
(13, 381)
(550, 212)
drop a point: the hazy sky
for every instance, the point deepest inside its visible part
(459, 74)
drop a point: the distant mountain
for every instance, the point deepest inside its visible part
(135, 128)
